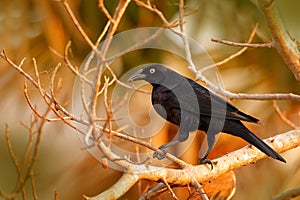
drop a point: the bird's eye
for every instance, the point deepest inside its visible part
(152, 70)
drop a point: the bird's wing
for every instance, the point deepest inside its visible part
(210, 104)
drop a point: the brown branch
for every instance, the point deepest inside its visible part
(36, 83)
(153, 192)
(188, 175)
(11, 151)
(72, 68)
(120, 187)
(179, 162)
(35, 149)
(284, 44)
(135, 46)
(56, 195)
(170, 189)
(153, 9)
(119, 12)
(283, 117)
(15, 162)
(237, 159)
(290, 194)
(18, 67)
(274, 96)
(50, 99)
(228, 94)
(105, 11)
(238, 44)
(25, 168)
(233, 55)
(107, 106)
(33, 186)
(78, 26)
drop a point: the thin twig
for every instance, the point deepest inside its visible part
(248, 44)
(36, 111)
(78, 26)
(153, 9)
(12, 154)
(120, 10)
(178, 161)
(230, 95)
(105, 11)
(151, 193)
(170, 189)
(283, 117)
(93, 53)
(72, 68)
(33, 186)
(231, 57)
(109, 113)
(35, 152)
(135, 46)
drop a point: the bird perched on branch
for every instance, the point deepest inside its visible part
(192, 107)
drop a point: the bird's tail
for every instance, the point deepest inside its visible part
(258, 143)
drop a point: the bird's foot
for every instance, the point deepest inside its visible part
(159, 155)
(206, 161)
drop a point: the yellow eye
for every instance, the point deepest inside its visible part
(152, 70)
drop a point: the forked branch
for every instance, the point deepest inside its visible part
(281, 40)
(245, 156)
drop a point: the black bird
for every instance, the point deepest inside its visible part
(192, 107)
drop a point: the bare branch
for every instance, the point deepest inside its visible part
(105, 11)
(119, 188)
(134, 171)
(11, 152)
(283, 117)
(72, 68)
(77, 25)
(223, 92)
(33, 186)
(275, 96)
(290, 194)
(233, 55)
(238, 44)
(153, 9)
(245, 156)
(284, 44)
(35, 110)
(170, 189)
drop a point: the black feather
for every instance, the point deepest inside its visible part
(191, 106)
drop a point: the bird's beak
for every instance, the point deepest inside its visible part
(137, 76)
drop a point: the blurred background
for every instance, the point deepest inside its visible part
(36, 28)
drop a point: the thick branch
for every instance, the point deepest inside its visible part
(242, 157)
(282, 41)
(119, 188)
(290, 194)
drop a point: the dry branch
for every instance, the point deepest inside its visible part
(245, 156)
(284, 44)
(233, 55)
(283, 117)
(188, 174)
(24, 167)
(239, 44)
(290, 194)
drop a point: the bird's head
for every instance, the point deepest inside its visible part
(154, 73)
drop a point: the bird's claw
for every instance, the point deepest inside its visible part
(206, 161)
(159, 155)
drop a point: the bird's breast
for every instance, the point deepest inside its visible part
(166, 105)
